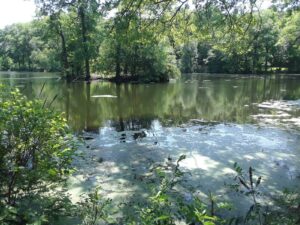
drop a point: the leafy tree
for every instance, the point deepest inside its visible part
(130, 50)
(25, 47)
(87, 12)
(290, 40)
(189, 59)
(146, 40)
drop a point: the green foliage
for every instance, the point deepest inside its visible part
(143, 41)
(189, 58)
(290, 40)
(251, 189)
(254, 44)
(161, 207)
(36, 151)
(37, 209)
(132, 51)
(94, 209)
(167, 205)
(287, 210)
(26, 47)
(284, 208)
(77, 46)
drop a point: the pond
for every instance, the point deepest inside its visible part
(215, 120)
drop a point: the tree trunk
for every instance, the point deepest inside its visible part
(266, 59)
(64, 56)
(126, 69)
(55, 23)
(254, 63)
(118, 66)
(29, 64)
(84, 42)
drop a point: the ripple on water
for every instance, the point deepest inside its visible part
(279, 113)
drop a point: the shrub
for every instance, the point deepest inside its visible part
(36, 152)
(94, 209)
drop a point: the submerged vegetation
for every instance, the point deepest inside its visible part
(154, 41)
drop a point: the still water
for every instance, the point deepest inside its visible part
(219, 98)
(215, 120)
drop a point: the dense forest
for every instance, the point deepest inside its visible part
(154, 40)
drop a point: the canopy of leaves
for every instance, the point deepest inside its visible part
(153, 40)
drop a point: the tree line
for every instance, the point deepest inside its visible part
(154, 40)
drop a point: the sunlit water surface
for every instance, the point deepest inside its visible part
(215, 120)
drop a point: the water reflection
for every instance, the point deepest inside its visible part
(222, 98)
(146, 124)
